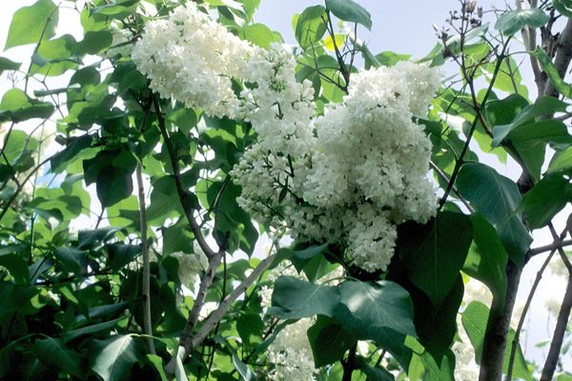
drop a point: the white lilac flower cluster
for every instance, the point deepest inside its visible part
(190, 266)
(193, 59)
(290, 353)
(347, 177)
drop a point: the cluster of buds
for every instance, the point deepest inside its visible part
(469, 13)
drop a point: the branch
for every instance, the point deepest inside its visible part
(146, 291)
(563, 57)
(529, 40)
(515, 340)
(19, 189)
(563, 315)
(558, 337)
(339, 58)
(551, 247)
(558, 242)
(460, 160)
(213, 256)
(445, 178)
(494, 344)
(184, 197)
(349, 365)
(224, 306)
(557, 245)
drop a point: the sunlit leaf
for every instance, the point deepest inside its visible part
(349, 10)
(113, 358)
(311, 26)
(512, 21)
(32, 24)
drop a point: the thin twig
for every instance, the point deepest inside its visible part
(552, 246)
(558, 242)
(445, 178)
(460, 160)
(19, 189)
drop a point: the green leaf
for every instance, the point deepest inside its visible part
(30, 24)
(112, 171)
(243, 370)
(530, 141)
(389, 58)
(497, 198)
(54, 354)
(95, 41)
(508, 77)
(74, 146)
(17, 106)
(53, 203)
(260, 35)
(55, 57)
(474, 321)
(561, 161)
(72, 260)
(545, 199)
(349, 10)
(311, 26)
(329, 341)
(104, 311)
(13, 259)
(306, 253)
(13, 297)
(512, 21)
(117, 10)
(487, 257)
(232, 221)
(162, 204)
(437, 325)
(382, 312)
(91, 329)
(88, 238)
(373, 373)
(563, 6)
(434, 253)
(121, 255)
(6, 64)
(543, 106)
(250, 328)
(383, 304)
(113, 358)
(295, 299)
(157, 363)
(552, 73)
(36, 269)
(183, 117)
